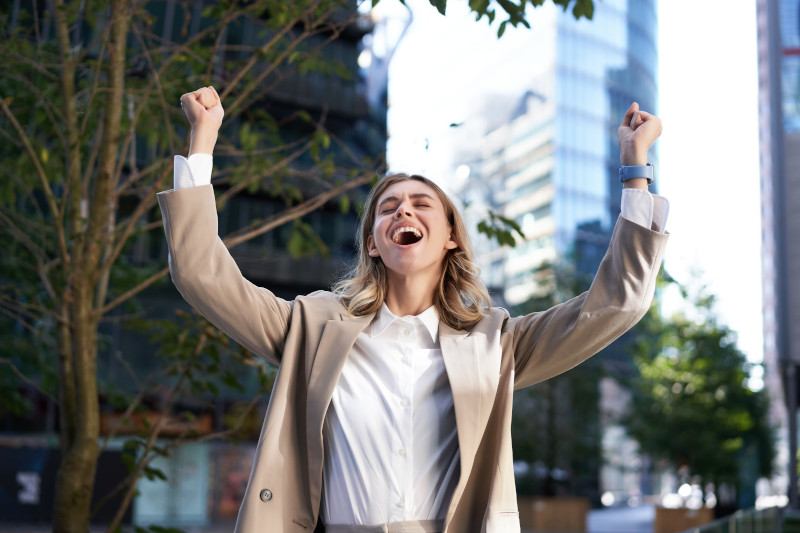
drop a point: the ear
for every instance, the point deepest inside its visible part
(372, 250)
(451, 243)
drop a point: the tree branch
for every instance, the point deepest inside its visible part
(35, 250)
(73, 162)
(159, 88)
(103, 200)
(37, 165)
(301, 209)
(28, 381)
(154, 433)
(134, 291)
(239, 187)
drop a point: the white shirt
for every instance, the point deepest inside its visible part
(394, 455)
(391, 446)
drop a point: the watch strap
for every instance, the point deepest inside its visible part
(629, 172)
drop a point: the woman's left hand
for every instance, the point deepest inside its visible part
(638, 131)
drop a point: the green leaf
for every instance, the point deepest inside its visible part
(502, 29)
(440, 5)
(583, 8)
(152, 473)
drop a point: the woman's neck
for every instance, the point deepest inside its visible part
(410, 295)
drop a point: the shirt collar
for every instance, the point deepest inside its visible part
(428, 318)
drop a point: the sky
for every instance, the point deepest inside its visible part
(708, 89)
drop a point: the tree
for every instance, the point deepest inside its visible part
(691, 404)
(556, 424)
(515, 10)
(89, 119)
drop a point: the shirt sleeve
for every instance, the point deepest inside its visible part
(645, 209)
(192, 172)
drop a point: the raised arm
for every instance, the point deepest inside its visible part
(201, 266)
(550, 342)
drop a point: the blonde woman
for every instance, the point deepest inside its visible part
(391, 410)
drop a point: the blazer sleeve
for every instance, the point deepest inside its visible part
(550, 342)
(206, 275)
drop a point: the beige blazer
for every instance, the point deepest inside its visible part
(310, 337)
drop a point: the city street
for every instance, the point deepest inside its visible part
(622, 520)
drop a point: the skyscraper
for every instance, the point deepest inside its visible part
(551, 165)
(550, 162)
(779, 138)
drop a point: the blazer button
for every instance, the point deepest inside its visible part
(265, 495)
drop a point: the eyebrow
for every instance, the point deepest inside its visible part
(413, 197)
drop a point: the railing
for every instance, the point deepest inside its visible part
(772, 520)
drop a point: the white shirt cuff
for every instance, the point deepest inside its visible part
(645, 209)
(192, 172)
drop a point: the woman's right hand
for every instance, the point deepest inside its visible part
(203, 109)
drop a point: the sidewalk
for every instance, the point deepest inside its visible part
(622, 520)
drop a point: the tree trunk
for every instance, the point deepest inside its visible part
(76, 473)
(80, 413)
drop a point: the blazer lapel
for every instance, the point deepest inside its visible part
(335, 343)
(461, 363)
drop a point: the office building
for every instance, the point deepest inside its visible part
(551, 162)
(779, 139)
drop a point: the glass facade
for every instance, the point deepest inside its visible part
(553, 167)
(602, 66)
(790, 64)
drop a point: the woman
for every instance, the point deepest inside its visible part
(391, 410)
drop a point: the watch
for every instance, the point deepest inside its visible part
(637, 171)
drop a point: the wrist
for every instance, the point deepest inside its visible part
(635, 183)
(628, 160)
(202, 142)
(629, 155)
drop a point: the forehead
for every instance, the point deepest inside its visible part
(409, 188)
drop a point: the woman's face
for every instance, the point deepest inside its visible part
(411, 233)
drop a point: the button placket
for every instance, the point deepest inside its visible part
(406, 392)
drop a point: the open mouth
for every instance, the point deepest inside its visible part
(406, 235)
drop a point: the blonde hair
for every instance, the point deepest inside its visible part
(461, 296)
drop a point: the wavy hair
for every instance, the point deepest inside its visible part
(461, 296)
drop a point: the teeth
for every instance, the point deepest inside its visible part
(405, 229)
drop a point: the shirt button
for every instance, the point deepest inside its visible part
(406, 332)
(402, 452)
(265, 495)
(403, 403)
(404, 360)
(401, 504)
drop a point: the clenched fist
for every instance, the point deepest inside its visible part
(204, 111)
(637, 132)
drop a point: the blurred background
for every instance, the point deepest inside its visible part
(121, 408)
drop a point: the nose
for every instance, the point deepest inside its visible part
(403, 210)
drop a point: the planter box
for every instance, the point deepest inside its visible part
(537, 513)
(677, 520)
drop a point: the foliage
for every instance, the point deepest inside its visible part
(691, 404)
(515, 10)
(500, 228)
(556, 424)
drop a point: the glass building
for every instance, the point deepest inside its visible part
(552, 163)
(779, 151)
